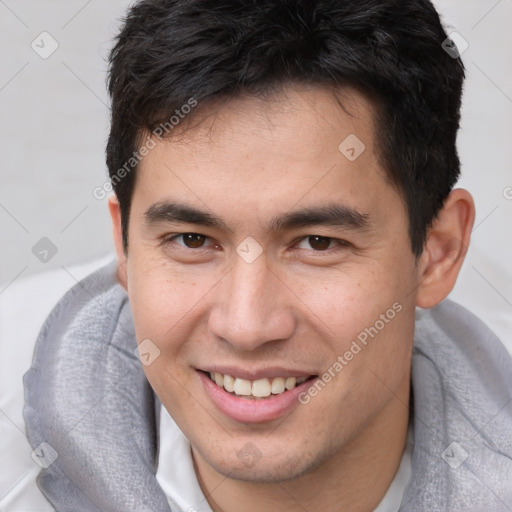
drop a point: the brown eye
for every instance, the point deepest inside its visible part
(320, 243)
(193, 240)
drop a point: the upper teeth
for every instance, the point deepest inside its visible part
(259, 388)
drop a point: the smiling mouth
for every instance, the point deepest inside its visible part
(256, 389)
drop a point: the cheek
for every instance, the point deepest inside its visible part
(376, 355)
(160, 299)
(370, 320)
(348, 301)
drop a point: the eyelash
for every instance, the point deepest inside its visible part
(341, 243)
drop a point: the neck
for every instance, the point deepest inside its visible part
(355, 478)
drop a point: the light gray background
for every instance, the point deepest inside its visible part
(54, 124)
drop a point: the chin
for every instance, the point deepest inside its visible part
(249, 464)
(263, 473)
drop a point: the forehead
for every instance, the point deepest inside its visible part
(258, 155)
(294, 114)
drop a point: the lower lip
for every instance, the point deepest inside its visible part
(252, 411)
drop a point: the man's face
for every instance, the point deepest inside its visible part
(262, 300)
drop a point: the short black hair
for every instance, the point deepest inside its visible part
(171, 52)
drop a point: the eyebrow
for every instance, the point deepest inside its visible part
(331, 214)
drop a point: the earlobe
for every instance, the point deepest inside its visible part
(445, 249)
(117, 232)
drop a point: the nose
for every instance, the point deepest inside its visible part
(253, 307)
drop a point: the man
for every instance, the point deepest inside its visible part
(283, 177)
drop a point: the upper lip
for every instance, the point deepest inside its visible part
(255, 374)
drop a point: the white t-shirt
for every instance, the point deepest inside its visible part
(177, 477)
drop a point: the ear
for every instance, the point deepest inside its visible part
(115, 214)
(445, 249)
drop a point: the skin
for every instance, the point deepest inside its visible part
(297, 305)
